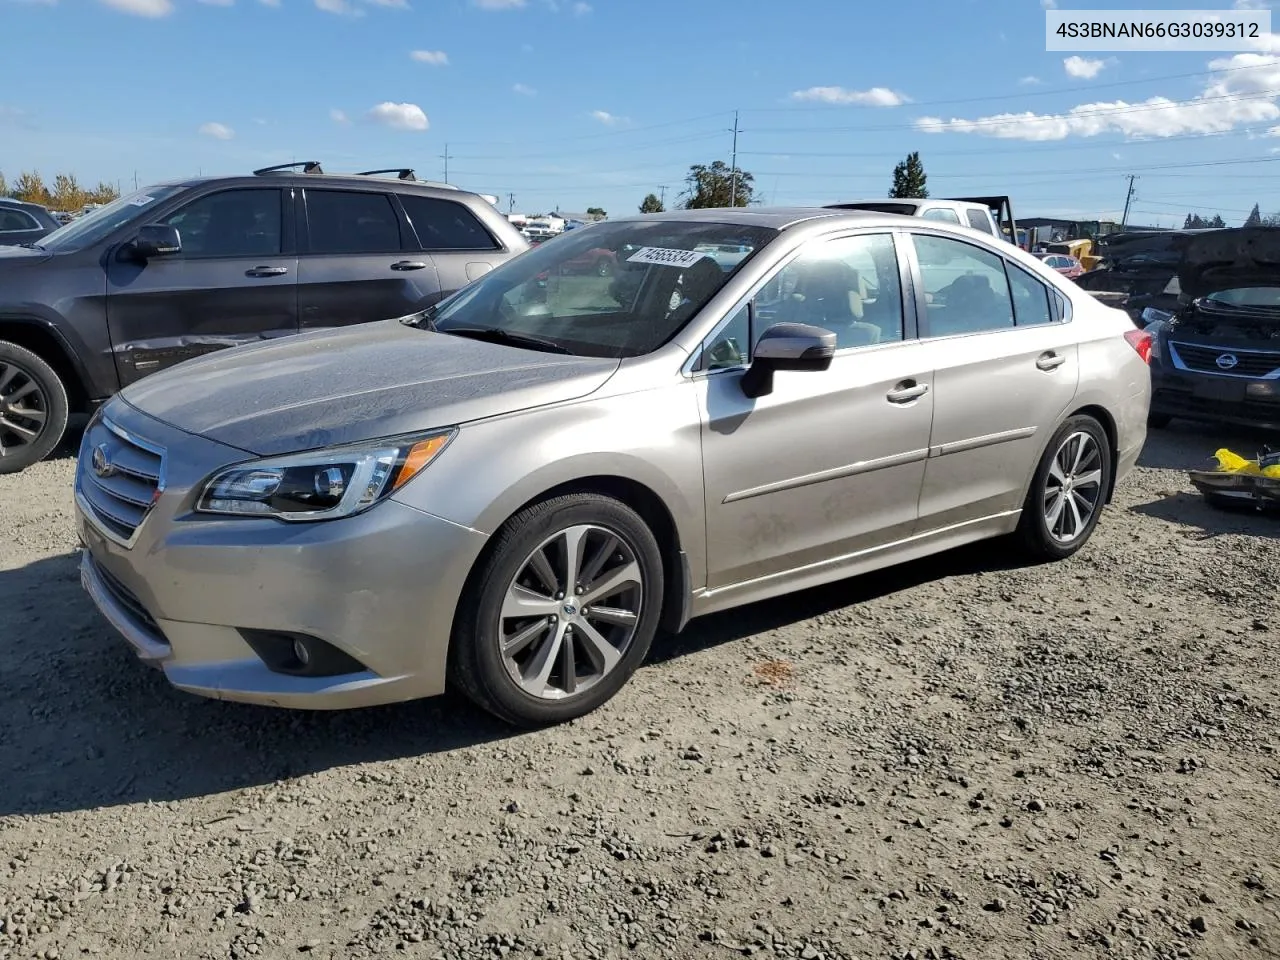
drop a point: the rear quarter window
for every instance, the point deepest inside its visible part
(445, 225)
(941, 213)
(979, 221)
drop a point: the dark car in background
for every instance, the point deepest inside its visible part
(184, 268)
(1216, 354)
(22, 222)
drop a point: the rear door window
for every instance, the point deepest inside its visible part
(17, 220)
(445, 225)
(351, 222)
(966, 289)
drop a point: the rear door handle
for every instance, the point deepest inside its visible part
(266, 271)
(1050, 361)
(408, 265)
(907, 391)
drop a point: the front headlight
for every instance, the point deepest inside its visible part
(321, 484)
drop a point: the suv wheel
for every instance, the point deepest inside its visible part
(562, 612)
(33, 408)
(1068, 490)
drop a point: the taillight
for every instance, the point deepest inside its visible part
(1141, 341)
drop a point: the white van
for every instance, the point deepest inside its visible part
(966, 213)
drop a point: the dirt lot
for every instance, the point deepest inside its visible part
(958, 758)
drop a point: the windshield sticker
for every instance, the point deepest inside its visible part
(666, 257)
(141, 201)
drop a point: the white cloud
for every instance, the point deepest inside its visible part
(341, 7)
(260, 121)
(399, 116)
(270, 3)
(524, 90)
(218, 131)
(608, 119)
(1082, 68)
(1241, 93)
(1250, 5)
(1049, 4)
(581, 8)
(219, 3)
(498, 4)
(437, 58)
(142, 8)
(1030, 81)
(339, 116)
(875, 97)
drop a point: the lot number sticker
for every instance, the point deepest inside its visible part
(666, 257)
(141, 201)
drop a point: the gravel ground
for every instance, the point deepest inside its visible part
(956, 758)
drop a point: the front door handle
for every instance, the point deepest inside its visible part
(408, 265)
(1050, 361)
(266, 272)
(907, 391)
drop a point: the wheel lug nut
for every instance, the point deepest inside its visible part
(559, 594)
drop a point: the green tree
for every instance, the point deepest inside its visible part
(1217, 221)
(1255, 217)
(596, 212)
(67, 193)
(909, 179)
(103, 193)
(30, 187)
(717, 185)
(651, 204)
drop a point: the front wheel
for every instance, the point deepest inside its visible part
(33, 408)
(1068, 491)
(561, 613)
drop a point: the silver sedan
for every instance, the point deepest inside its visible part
(511, 492)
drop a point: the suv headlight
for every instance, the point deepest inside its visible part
(321, 484)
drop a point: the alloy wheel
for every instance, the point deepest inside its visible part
(571, 612)
(24, 408)
(1073, 487)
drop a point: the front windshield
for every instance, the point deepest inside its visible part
(94, 226)
(619, 289)
(1247, 296)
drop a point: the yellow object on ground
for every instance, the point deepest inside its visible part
(1229, 462)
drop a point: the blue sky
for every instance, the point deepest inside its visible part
(595, 103)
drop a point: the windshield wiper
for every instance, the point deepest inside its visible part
(497, 335)
(31, 245)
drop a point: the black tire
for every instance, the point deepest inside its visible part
(1158, 421)
(476, 665)
(1033, 527)
(45, 394)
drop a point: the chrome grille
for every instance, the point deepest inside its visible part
(118, 478)
(1254, 364)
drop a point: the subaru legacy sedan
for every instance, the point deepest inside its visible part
(511, 492)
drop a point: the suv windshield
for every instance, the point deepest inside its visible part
(94, 226)
(619, 289)
(1248, 297)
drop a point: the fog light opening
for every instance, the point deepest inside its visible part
(300, 655)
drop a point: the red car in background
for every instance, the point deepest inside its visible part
(1065, 265)
(597, 260)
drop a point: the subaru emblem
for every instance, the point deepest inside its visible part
(1227, 360)
(101, 462)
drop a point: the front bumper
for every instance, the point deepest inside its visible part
(382, 587)
(1207, 397)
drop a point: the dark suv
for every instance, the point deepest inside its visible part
(184, 268)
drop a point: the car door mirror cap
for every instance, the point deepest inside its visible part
(157, 240)
(787, 346)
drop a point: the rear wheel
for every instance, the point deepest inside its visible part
(1068, 491)
(33, 408)
(561, 613)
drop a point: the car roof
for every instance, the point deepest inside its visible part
(428, 187)
(12, 202)
(778, 218)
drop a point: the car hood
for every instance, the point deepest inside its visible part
(13, 254)
(1230, 259)
(363, 382)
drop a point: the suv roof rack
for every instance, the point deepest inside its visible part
(406, 173)
(308, 166)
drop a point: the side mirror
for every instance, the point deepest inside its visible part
(157, 240)
(787, 346)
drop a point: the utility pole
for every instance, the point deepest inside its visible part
(445, 157)
(1124, 218)
(511, 203)
(135, 179)
(733, 178)
(662, 197)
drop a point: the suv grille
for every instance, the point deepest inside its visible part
(118, 478)
(1257, 364)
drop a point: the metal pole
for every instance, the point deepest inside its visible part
(662, 197)
(733, 178)
(1128, 198)
(446, 163)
